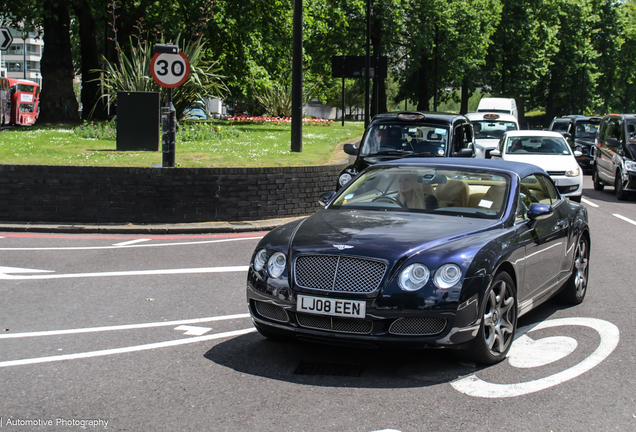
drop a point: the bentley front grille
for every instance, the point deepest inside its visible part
(271, 311)
(339, 273)
(417, 326)
(341, 325)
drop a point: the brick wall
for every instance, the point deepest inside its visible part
(42, 193)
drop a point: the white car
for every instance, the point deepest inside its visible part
(547, 150)
(488, 129)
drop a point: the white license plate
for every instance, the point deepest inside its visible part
(331, 307)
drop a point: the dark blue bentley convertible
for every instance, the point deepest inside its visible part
(423, 253)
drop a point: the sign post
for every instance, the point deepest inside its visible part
(169, 68)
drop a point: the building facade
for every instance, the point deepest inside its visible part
(22, 58)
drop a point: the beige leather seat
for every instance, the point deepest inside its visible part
(453, 193)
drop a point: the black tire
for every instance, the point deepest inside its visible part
(597, 183)
(498, 323)
(621, 195)
(575, 288)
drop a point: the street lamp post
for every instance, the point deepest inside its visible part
(297, 79)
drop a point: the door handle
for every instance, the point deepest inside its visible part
(563, 223)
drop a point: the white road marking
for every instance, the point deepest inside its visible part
(128, 273)
(123, 327)
(193, 330)
(129, 246)
(474, 386)
(588, 202)
(113, 351)
(528, 353)
(128, 243)
(625, 219)
(4, 270)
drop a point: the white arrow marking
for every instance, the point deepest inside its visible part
(121, 327)
(5, 270)
(474, 386)
(193, 331)
(128, 273)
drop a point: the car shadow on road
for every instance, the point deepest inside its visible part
(339, 366)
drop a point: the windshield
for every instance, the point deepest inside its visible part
(453, 192)
(492, 129)
(537, 145)
(405, 139)
(560, 126)
(586, 130)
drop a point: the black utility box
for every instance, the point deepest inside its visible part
(138, 121)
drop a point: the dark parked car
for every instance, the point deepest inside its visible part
(406, 134)
(615, 155)
(423, 253)
(580, 133)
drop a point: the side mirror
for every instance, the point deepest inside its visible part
(578, 153)
(350, 149)
(495, 153)
(538, 211)
(326, 198)
(465, 152)
(612, 142)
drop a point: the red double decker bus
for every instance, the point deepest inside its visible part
(19, 101)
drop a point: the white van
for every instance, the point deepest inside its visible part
(498, 105)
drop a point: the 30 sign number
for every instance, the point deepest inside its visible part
(169, 70)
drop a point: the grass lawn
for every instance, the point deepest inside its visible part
(198, 145)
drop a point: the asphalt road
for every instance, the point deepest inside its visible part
(150, 333)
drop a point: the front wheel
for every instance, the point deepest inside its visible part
(498, 323)
(618, 188)
(575, 288)
(597, 183)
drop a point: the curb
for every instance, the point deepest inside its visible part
(190, 228)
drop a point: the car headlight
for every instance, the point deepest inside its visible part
(344, 179)
(572, 173)
(447, 276)
(413, 277)
(259, 260)
(630, 165)
(276, 264)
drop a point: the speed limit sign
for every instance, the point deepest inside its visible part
(169, 70)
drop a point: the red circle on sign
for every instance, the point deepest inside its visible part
(169, 70)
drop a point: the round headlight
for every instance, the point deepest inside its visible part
(447, 276)
(276, 264)
(344, 179)
(260, 259)
(413, 277)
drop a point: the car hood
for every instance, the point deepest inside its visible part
(379, 234)
(547, 162)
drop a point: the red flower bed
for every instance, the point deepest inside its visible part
(245, 119)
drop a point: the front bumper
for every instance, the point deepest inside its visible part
(569, 186)
(403, 321)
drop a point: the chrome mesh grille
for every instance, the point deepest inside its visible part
(342, 274)
(271, 311)
(417, 326)
(342, 325)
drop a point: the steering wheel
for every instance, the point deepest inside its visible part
(390, 198)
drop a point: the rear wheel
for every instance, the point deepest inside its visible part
(597, 183)
(498, 323)
(576, 286)
(618, 188)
